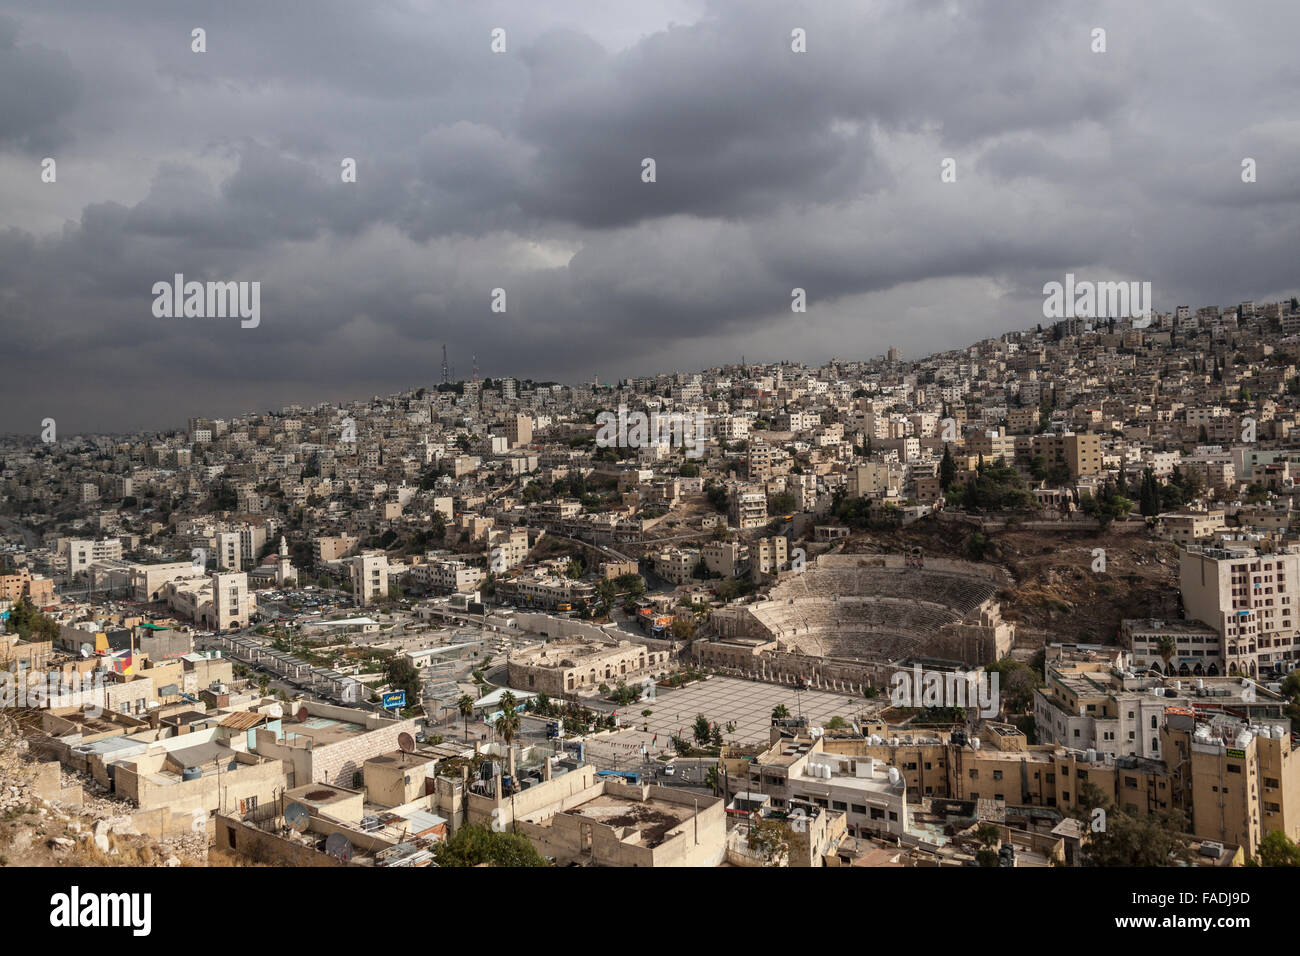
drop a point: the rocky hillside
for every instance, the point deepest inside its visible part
(49, 817)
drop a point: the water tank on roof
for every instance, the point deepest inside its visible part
(974, 743)
(894, 775)
(1092, 755)
(1243, 738)
(191, 773)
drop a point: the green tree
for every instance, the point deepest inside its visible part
(947, 468)
(401, 674)
(1277, 850)
(476, 845)
(780, 712)
(1152, 839)
(701, 729)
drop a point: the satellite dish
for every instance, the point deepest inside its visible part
(302, 715)
(297, 816)
(405, 743)
(339, 846)
(86, 650)
(275, 711)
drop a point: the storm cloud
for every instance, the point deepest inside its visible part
(522, 170)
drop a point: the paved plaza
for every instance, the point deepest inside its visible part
(747, 704)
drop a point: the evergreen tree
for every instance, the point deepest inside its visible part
(947, 467)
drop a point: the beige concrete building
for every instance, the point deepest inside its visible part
(148, 580)
(506, 549)
(676, 565)
(397, 777)
(1080, 452)
(519, 430)
(1239, 782)
(770, 555)
(448, 576)
(23, 584)
(748, 508)
(1187, 528)
(369, 573)
(875, 480)
(1248, 597)
(335, 547)
(574, 665)
(729, 559)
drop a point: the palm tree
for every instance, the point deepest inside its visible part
(508, 723)
(780, 712)
(1166, 648)
(712, 778)
(466, 707)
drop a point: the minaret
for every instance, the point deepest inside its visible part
(284, 572)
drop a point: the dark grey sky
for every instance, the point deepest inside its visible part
(522, 171)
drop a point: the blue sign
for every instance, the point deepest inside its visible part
(393, 700)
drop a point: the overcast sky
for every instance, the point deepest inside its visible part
(522, 170)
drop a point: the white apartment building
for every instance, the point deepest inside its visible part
(1198, 647)
(676, 564)
(230, 603)
(506, 549)
(872, 795)
(230, 552)
(748, 509)
(369, 573)
(770, 555)
(449, 576)
(82, 553)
